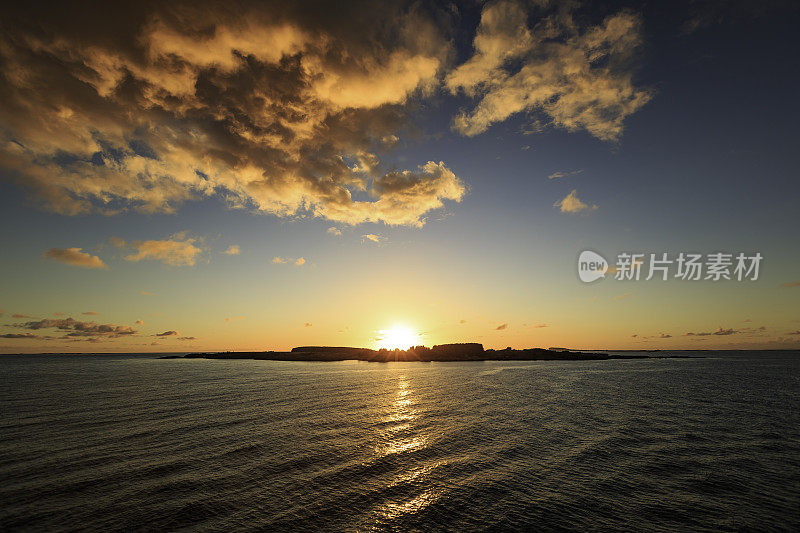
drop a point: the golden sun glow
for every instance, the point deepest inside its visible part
(398, 336)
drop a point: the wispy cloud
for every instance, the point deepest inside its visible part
(791, 284)
(177, 250)
(719, 331)
(559, 175)
(335, 231)
(501, 327)
(233, 249)
(74, 257)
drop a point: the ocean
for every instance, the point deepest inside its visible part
(126, 442)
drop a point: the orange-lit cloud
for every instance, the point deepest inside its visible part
(74, 257)
(572, 204)
(580, 77)
(371, 237)
(178, 250)
(270, 108)
(233, 250)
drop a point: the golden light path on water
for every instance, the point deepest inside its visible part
(403, 436)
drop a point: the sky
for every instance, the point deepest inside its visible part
(258, 176)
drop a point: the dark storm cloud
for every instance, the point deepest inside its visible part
(278, 107)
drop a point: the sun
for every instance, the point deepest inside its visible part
(398, 336)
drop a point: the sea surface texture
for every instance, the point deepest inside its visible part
(137, 443)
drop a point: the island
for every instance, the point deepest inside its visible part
(470, 351)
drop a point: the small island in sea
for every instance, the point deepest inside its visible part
(469, 351)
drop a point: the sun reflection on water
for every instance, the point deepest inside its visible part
(401, 434)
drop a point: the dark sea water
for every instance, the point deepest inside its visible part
(136, 443)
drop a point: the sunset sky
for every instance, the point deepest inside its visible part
(260, 176)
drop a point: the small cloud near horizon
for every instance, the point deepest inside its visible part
(170, 333)
(791, 284)
(90, 313)
(720, 331)
(231, 319)
(75, 257)
(501, 327)
(307, 325)
(300, 261)
(233, 249)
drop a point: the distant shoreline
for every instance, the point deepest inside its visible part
(439, 353)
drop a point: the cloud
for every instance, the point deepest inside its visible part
(501, 327)
(145, 293)
(719, 331)
(74, 257)
(559, 175)
(78, 328)
(90, 313)
(572, 204)
(542, 325)
(300, 261)
(139, 322)
(270, 107)
(19, 336)
(231, 319)
(187, 338)
(335, 231)
(664, 336)
(462, 321)
(233, 249)
(177, 250)
(307, 325)
(279, 260)
(170, 333)
(580, 78)
(791, 284)
(371, 237)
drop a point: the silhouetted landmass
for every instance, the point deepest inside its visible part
(470, 351)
